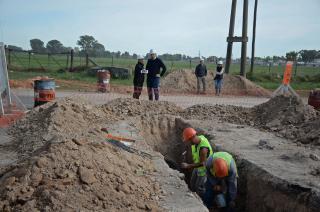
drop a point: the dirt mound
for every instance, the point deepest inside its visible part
(66, 164)
(56, 121)
(185, 81)
(290, 117)
(227, 113)
(124, 107)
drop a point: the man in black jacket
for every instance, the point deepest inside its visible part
(201, 73)
(138, 78)
(153, 79)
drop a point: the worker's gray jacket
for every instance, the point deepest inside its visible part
(230, 180)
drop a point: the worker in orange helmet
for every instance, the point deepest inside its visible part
(201, 150)
(221, 185)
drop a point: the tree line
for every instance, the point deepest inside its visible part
(89, 45)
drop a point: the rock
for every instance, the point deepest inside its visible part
(86, 175)
(36, 178)
(42, 162)
(314, 157)
(9, 181)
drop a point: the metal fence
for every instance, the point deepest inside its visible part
(5, 98)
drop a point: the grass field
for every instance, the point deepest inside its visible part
(304, 78)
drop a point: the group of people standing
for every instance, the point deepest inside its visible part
(214, 174)
(201, 73)
(155, 69)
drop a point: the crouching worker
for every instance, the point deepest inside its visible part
(138, 78)
(201, 150)
(221, 185)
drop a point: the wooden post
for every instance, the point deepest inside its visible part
(190, 63)
(71, 60)
(231, 33)
(87, 59)
(67, 61)
(254, 35)
(29, 59)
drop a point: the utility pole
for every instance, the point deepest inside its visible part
(244, 42)
(243, 39)
(254, 35)
(231, 32)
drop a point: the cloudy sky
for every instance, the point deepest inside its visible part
(169, 26)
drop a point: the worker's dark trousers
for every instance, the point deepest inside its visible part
(153, 88)
(137, 91)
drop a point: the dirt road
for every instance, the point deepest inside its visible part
(26, 96)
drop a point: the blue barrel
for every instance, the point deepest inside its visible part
(44, 91)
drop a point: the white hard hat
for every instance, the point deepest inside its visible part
(201, 59)
(152, 51)
(140, 57)
(220, 63)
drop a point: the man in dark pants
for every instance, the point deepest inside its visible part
(153, 79)
(221, 185)
(138, 78)
(201, 73)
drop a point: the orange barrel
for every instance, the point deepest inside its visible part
(103, 80)
(314, 99)
(44, 91)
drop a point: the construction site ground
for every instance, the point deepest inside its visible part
(57, 158)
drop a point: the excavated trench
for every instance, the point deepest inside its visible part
(258, 190)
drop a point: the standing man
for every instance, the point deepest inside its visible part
(138, 78)
(153, 79)
(201, 150)
(201, 73)
(221, 185)
(218, 79)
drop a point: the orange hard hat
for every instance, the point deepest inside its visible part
(220, 167)
(188, 133)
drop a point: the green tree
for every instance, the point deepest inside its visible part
(37, 45)
(17, 48)
(292, 56)
(55, 46)
(98, 49)
(87, 43)
(308, 55)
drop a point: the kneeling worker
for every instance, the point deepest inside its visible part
(221, 185)
(201, 150)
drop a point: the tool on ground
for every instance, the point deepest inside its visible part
(122, 143)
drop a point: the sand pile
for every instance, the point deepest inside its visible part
(67, 118)
(227, 113)
(185, 81)
(290, 117)
(66, 164)
(123, 108)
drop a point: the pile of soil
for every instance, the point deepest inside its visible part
(185, 81)
(122, 108)
(226, 113)
(66, 164)
(287, 116)
(290, 117)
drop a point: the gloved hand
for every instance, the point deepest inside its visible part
(184, 165)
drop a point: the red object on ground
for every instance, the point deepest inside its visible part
(8, 119)
(314, 99)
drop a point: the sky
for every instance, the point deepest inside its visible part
(168, 26)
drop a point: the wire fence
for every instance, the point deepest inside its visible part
(33, 61)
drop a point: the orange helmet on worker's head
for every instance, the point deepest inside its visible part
(220, 168)
(188, 133)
